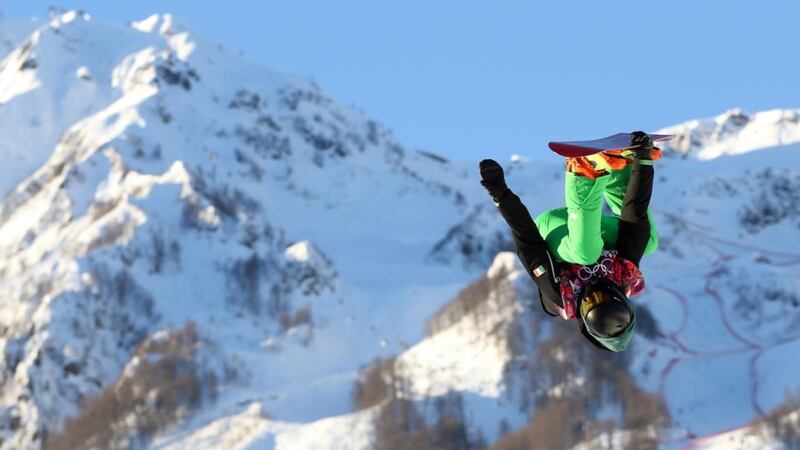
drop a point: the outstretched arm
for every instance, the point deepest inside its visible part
(634, 227)
(531, 247)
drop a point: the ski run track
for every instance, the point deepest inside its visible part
(748, 346)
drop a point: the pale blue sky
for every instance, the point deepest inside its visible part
(470, 79)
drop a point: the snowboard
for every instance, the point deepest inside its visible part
(619, 141)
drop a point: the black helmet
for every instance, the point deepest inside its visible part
(607, 314)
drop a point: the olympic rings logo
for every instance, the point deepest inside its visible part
(604, 267)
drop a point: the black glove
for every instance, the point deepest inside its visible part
(644, 143)
(492, 179)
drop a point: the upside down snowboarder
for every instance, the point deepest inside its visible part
(586, 264)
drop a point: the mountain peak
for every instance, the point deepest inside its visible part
(164, 24)
(62, 17)
(156, 179)
(734, 132)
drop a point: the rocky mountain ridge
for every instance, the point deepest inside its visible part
(174, 209)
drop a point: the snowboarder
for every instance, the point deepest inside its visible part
(584, 263)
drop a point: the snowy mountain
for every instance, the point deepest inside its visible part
(200, 252)
(148, 190)
(734, 132)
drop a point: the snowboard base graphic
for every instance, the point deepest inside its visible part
(619, 141)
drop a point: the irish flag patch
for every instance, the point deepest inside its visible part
(539, 271)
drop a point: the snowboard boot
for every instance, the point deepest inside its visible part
(599, 164)
(588, 166)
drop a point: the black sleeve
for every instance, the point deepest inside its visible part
(634, 228)
(531, 248)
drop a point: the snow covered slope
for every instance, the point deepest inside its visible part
(154, 179)
(734, 132)
(714, 349)
(718, 325)
(722, 294)
(226, 238)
